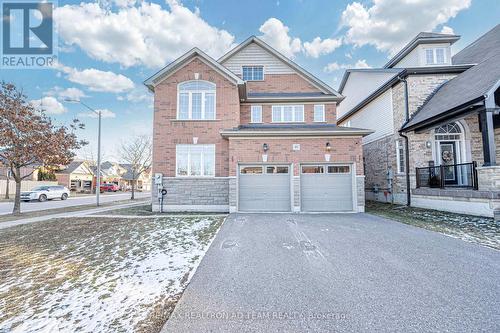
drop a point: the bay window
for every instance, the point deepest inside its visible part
(195, 160)
(288, 113)
(196, 100)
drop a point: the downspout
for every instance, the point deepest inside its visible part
(407, 148)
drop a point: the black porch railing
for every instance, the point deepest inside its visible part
(462, 175)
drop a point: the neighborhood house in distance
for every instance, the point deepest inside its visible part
(453, 127)
(80, 176)
(252, 131)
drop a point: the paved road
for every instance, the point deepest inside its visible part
(6, 207)
(339, 273)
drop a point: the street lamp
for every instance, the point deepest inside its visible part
(98, 185)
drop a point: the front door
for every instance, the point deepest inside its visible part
(448, 156)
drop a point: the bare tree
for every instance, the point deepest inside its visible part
(137, 154)
(28, 137)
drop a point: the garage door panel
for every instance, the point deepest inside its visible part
(324, 192)
(264, 192)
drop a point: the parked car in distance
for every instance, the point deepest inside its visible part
(45, 192)
(109, 187)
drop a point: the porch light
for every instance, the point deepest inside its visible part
(328, 146)
(265, 147)
(428, 144)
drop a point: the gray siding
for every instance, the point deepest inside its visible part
(256, 55)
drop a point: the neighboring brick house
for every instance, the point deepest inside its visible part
(251, 131)
(453, 124)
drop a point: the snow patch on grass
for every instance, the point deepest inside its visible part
(95, 275)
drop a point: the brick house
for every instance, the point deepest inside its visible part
(450, 116)
(251, 131)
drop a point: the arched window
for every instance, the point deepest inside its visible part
(196, 100)
(448, 132)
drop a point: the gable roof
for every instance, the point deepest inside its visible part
(171, 68)
(461, 92)
(348, 72)
(325, 88)
(421, 38)
(71, 167)
(481, 49)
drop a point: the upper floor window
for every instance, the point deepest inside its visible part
(435, 56)
(253, 73)
(288, 113)
(319, 113)
(196, 100)
(256, 113)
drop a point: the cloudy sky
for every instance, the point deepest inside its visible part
(107, 48)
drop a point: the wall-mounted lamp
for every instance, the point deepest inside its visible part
(265, 147)
(428, 144)
(328, 147)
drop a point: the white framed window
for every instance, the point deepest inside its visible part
(252, 73)
(288, 113)
(319, 113)
(195, 160)
(400, 157)
(196, 100)
(435, 56)
(256, 113)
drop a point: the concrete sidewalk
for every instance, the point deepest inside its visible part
(339, 273)
(90, 211)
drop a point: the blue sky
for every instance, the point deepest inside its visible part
(107, 48)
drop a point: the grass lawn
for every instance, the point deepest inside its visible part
(482, 230)
(95, 274)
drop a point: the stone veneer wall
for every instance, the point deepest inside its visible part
(194, 194)
(489, 178)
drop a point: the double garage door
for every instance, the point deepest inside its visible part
(267, 188)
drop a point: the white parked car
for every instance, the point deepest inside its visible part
(46, 192)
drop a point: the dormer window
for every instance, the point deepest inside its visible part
(435, 56)
(253, 73)
(196, 100)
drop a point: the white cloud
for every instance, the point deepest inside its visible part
(105, 113)
(68, 93)
(447, 30)
(97, 80)
(361, 64)
(138, 95)
(49, 104)
(275, 33)
(318, 47)
(334, 66)
(389, 24)
(331, 67)
(138, 34)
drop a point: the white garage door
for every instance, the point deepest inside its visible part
(326, 188)
(264, 188)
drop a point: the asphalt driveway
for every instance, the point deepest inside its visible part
(338, 273)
